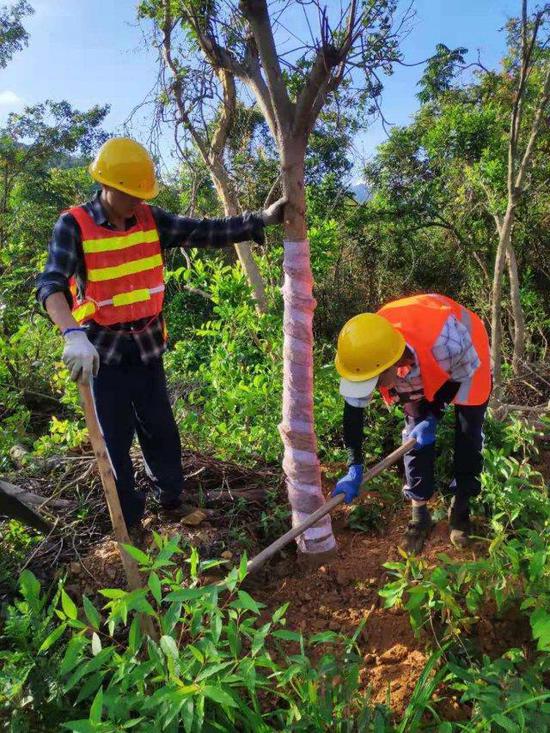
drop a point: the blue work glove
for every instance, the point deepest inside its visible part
(349, 485)
(424, 432)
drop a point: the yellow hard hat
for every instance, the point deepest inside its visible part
(127, 166)
(367, 345)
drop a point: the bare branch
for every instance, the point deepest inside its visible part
(257, 15)
(313, 95)
(227, 112)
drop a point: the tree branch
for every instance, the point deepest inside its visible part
(320, 79)
(535, 127)
(227, 113)
(257, 14)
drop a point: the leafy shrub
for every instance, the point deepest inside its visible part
(219, 663)
(506, 694)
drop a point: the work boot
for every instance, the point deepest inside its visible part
(175, 511)
(459, 522)
(418, 530)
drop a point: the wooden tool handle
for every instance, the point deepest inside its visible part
(109, 487)
(269, 551)
(131, 567)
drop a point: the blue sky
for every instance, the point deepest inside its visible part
(93, 52)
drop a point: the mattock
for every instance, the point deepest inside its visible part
(256, 562)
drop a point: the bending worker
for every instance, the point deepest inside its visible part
(114, 330)
(423, 352)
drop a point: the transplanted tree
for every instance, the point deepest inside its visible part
(352, 47)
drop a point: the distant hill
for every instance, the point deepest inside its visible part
(361, 192)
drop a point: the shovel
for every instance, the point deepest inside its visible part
(256, 562)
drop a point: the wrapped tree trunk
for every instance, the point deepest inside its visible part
(237, 42)
(300, 463)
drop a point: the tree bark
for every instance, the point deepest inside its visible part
(504, 226)
(517, 310)
(300, 463)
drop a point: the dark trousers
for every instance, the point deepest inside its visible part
(131, 398)
(468, 462)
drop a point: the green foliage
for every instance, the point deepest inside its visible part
(440, 72)
(13, 36)
(506, 695)
(217, 664)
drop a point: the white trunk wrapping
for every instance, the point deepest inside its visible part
(300, 463)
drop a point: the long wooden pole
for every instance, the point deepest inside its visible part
(120, 530)
(264, 555)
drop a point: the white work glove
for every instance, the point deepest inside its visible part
(274, 214)
(80, 357)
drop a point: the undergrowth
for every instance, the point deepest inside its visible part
(220, 663)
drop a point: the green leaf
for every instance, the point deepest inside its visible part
(97, 707)
(219, 696)
(92, 614)
(279, 613)
(72, 654)
(134, 636)
(242, 567)
(169, 647)
(137, 554)
(155, 587)
(113, 593)
(80, 726)
(540, 625)
(90, 686)
(29, 586)
(186, 594)
(171, 617)
(68, 605)
(211, 670)
(52, 638)
(323, 637)
(199, 656)
(246, 601)
(287, 635)
(506, 723)
(187, 714)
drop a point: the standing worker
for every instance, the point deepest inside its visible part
(114, 329)
(424, 352)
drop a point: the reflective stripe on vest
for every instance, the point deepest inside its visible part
(124, 270)
(87, 309)
(116, 243)
(128, 268)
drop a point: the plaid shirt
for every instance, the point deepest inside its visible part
(66, 259)
(453, 351)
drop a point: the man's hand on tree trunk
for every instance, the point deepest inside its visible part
(274, 214)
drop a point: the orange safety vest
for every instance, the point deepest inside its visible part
(420, 319)
(124, 270)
